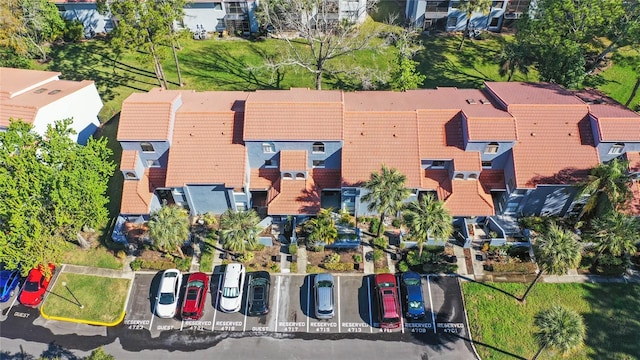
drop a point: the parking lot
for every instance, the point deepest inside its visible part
(292, 308)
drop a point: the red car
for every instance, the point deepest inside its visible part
(195, 296)
(36, 285)
(388, 301)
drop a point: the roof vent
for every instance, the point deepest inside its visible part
(40, 91)
(485, 102)
(53, 92)
(471, 101)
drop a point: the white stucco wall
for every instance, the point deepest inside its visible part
(83, 106)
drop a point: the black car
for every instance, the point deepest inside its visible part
(259, 287)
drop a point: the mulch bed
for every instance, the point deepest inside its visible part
(467, 260)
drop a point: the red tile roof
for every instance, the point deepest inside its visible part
(520, 93)
(373, 139)
(468, 198)
(148, 116)
(491, 129)
(327, 178)
(633, 208)
(203, 150)
(293, 160)
(296, 114)
(15, 81)
(137, 194)
(492, 180)
(438, 180)
(616, 123)
(441, 139)
(263, 179)
(128, 159)
(634, 160)
(296, 197)
(555, 145)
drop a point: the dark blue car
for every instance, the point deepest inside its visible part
(9, 280)
(412, 284)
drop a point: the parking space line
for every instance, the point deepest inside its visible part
(246, 306)
(215, 306)
(181, 324)
(339, 323)
(277, 303)
(153, 315)
(433, 316)
(15, 297)
(369, 296)
(308, 302)
(400, 303)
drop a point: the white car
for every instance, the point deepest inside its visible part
(232, 285)
(168, 293)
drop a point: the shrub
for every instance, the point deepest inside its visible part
(380, 242)
(313, 269)
(293, 267)
(611, 265)
(73, 31)
(403, 266)
(293, 249)
(373, 226)
(382, 270)
(258, 247)
(377, 254)
(357, 258)
(153, 264)
(209, 219)
(365, 220)
(346, 219)
(403, 245)
(434, 249)
(136, 264)
(183, 264)
(121, 254)
(338, 266)
(397, 222)
(485, 247)
(514, 267)
(317, 248)
(332, 259)
(274, 267)
(246, 257)
(536, 223)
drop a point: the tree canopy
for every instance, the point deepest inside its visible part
(559, 328)
(568, 38)
(387, 192)
(428, 218)
(169, 228)
(239, 230)
(50, 189)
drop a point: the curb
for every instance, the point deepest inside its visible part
(79, 321)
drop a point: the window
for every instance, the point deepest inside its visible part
(40, 91)
(60, 7)
(130, 175)
(472, 177)
(438, 164)
(459, 176)
(318, 163)
(268, 148)
(452, 21)
(217, 6)
(270, 164)
(300, 176)
(492, 148)
(287, 176)
(53, 92)
(153, 163)
(437, 6)
(487, 164)
(147, 147)
(494, 22)
(616, 148)
(498, 4)
(318, 147)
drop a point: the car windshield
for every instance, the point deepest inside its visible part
(411, 282)
(386, 284)
(231, 292)
(391, 320)
(31, 286)
(415, 305)
(258, 293)
(166, 298)
(324, 283)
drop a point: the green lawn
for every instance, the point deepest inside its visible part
(103, 299)
(503, 328)
(98, 256)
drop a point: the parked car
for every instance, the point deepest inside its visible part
(388, 302)
(36, 285)
(324, 285)
(168, 293)
(195, 296)
(9, 281)
(412, 284)
(259, 287)
(232, 286)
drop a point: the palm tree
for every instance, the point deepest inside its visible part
(386, 192)
(559, 328)
(169, 228)
(608, 186)
(322, 228)
(428, 217)
(616, 233)
(469, 7)
(557, 250)
(239, 230)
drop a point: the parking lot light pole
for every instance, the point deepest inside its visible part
(64, 283)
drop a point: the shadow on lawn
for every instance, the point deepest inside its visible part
(613, 324)
(490, 286)
(232, 72)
